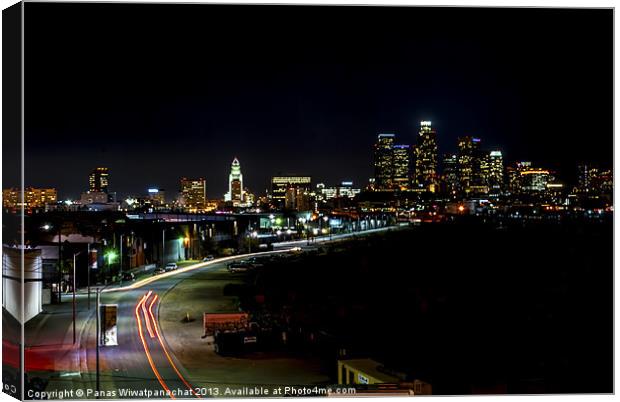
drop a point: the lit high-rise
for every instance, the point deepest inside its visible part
(384, 161)
(98, 180)
(401, 166)
(495, 172)
(426, 158)
(235, 185)
(467, 162)
(450, 174)
(194, 194)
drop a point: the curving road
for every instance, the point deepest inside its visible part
(142, 365)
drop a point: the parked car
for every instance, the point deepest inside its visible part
(129, 276)
(239, 266)
(208, 258)
(158, 271)
(171, 266)
(256, 262)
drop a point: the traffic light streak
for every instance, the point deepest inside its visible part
(146, 316)
(163, 346)
(149, 318)
(146, 348)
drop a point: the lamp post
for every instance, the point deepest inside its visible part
(98, 329)
(163, 247)
(88, 272)
(121, 262)
(74, 282)
(325, 219)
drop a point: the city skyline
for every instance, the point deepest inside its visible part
(300, 104)
(175, 188)
(332, 201)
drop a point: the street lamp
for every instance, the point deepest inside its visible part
(121, 262)
(88, 272)
(74, 283)
(110, 257)
(47, 227)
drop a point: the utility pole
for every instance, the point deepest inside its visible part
(97, 339)
(59, 263)
(74, 255)
(88, 271)
(163, 247)
(121, 262)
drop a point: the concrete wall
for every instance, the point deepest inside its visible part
(12, 283)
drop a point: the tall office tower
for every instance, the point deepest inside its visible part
(467, 164)
(586, 177)
(534, 180)
(157, 196)
(235, 184)
(98, 180)
(384, 161)
(194, 194)
(402, 166)
(495, 173)
(450, 174)
(514, 176)
(426, 158)
(282, 189)
(605, 182)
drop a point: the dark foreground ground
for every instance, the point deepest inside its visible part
(470, 307)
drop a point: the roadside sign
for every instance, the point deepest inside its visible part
(108, 314)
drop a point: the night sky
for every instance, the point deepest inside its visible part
(156, 92)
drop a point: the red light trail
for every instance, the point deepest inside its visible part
(150, 318)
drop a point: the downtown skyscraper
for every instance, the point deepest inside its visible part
(468, 163)
(193, 194)
(402, 166)
(235, 192)
(392, 163)
(98, 180)
(425, 176)
(495, 173)
(384, 161)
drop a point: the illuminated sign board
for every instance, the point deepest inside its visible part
(153, 190)
(92, 259)
(291, 180)
(108, 315)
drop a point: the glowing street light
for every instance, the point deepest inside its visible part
(111, 256)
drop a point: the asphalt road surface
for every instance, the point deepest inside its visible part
(142, 361)
(142, 364)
